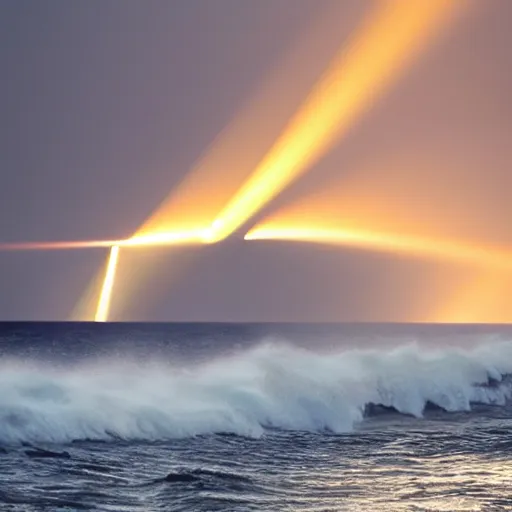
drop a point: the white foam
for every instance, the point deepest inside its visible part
(273, 385)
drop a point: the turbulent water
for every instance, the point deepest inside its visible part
(255, 417)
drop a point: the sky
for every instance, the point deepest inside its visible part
(107, 105)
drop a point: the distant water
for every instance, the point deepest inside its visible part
(207, 417)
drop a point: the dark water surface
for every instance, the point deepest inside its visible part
(200, 417)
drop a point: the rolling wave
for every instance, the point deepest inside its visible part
(274, 385)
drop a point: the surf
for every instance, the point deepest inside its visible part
(273, 385)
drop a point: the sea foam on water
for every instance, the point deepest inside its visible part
(273, 385)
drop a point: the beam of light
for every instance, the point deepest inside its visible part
(386, 43)
(237, 149)
(108, 286)
(382, 49)
(219, 172)
(215, 177)
(157, 239)
(388, 242)
(88, 301)
(192, 237)
(103, 306)
(178, 238)
(54, 246)
(399, 192)
(85, 308)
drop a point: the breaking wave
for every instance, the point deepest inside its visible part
(270, 386)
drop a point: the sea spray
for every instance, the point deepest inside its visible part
(273, 385)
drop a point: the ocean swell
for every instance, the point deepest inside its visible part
(274, 385)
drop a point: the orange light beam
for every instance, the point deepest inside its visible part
(171, 238)
(108, 285)
(49, 246)
(383, 47)
(235, 151)
(398, 244)
(191, 237)
(160, 239)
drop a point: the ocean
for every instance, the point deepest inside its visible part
(243, 417)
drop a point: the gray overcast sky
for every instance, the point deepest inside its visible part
(105, 104)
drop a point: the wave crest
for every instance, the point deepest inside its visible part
(273, 385)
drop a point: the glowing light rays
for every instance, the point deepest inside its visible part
(57, 246)
(237, 149)
(192, 237)
(108, 286)
(178, 238)
(156, 239)
(387, 242)
(382, 47)
(373, 60)
(102, 305)
(233, 182)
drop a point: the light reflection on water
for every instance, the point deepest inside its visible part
(422, 466)
(419, 470)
